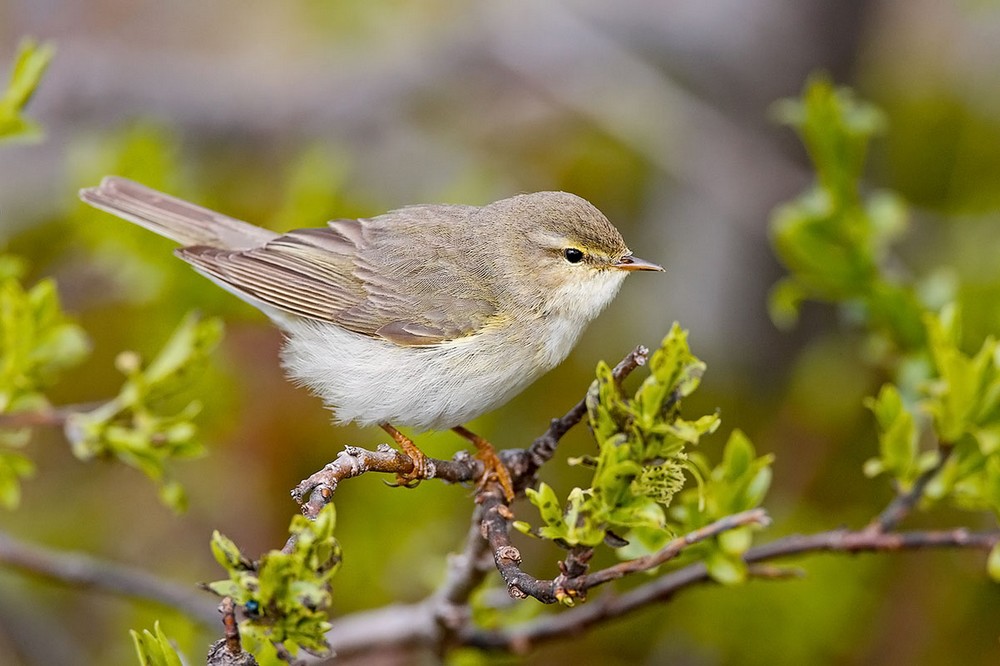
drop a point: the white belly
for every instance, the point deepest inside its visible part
(371, 381)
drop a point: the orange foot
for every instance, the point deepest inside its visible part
(419, 458)
(491, 461)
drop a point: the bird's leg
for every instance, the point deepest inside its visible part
(419, 471)
(491, 461)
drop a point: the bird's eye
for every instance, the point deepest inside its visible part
(573, 255)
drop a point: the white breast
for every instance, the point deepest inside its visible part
(371, 381)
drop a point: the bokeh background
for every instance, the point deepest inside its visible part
(290, 113)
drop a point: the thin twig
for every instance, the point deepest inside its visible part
(544, 447)
(465, 572)
(904, 503)
(672, 549)
(85, 571)
(864, 540)
(230, 626)
(317, 491)
(228, 651)
(48, 417)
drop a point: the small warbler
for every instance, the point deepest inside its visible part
(426, 316)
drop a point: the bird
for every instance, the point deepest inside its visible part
(423, 317)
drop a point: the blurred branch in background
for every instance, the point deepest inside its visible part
(89, 573)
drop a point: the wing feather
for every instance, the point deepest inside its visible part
(364, 276)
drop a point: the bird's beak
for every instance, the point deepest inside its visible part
(630, 263)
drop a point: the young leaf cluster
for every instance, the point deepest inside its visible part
(29, 65)
(37, 341)
(642, 458)
(135, 426)
(285, 595)
(964, 403)
(835, 242)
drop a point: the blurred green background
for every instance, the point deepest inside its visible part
(288, 114)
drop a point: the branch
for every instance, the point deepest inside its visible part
(405, 625)
(84, 571)
(434, 622)
(496, 528)
(904, 503)
(757, 517)
(317, 491)
(465, 572)
(395, 626)
(228, 651)
(572, 622)
(865, 540)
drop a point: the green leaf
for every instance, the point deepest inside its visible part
(965, 399)
(13, 468)
(606, 407)
(897, 437)
(37, 341)
(155, 649)
(29, 66)
(524, 528)
(585, 521)
(993, 563)
(172, 494)
(227, 553)
(549, 507)
(675, 373)
(784, 301)
(640, 512)
(741, 481)
(836, 240)
(737, 457)
(725, 569)
(735, 542)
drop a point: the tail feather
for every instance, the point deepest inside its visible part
(173, 218)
